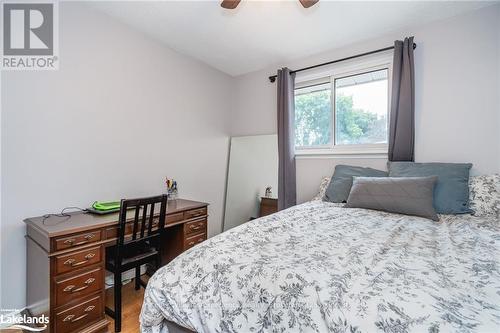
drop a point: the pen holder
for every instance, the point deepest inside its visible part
(172, 194)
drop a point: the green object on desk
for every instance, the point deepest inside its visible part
(106, 206)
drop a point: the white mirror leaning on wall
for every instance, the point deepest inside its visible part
(253, 166)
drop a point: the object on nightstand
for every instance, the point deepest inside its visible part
(269, 192)
(172, 190)
(268, 206)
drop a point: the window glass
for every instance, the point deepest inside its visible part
(361, 108)
(313, 116)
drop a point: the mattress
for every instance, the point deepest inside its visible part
(318, 267)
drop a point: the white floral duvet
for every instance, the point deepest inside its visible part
(318, 267)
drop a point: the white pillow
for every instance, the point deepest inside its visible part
(484, 195)
(322, 188)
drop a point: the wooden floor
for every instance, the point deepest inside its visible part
(131, 307)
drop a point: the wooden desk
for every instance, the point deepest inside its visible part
(65, 262)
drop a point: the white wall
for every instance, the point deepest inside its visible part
(159, 114)
(457, 105)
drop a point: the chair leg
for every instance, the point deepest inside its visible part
(118, 302)
(138, 278)
(158, 262)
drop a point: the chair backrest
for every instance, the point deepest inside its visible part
(142, 222)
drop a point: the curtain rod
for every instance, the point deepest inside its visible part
(273, 77)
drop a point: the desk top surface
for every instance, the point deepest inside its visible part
(58, 225)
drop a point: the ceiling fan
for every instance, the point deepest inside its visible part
(232, 4)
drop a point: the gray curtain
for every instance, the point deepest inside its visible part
(402, 117)
(286, 145)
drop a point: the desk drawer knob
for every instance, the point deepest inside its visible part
(69, 288)
(195, 227)
(69, 317)
(69, 262)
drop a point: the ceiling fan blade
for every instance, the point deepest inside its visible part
(229, 4)
(308, 3)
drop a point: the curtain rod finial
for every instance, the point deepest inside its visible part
(272, 79)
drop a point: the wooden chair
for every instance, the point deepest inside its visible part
(142, 246)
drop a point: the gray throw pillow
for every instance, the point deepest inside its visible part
(341, 182)
(451, 194)
(403, 195)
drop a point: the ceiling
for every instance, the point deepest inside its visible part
(262, 33)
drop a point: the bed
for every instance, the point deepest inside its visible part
(318, 267)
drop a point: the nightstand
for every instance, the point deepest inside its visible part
(268, 206)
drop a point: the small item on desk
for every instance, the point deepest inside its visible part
(101, 207)
(105, 206)
(63, 216)
(172, 190)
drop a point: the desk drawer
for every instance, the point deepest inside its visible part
(79, 286)
(112, 232)
(195, 213)
(79, 316)
(77, 240)
(195, 226)
(191, 241)
(172, 218)
(79, 259)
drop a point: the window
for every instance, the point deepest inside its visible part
(343, 113)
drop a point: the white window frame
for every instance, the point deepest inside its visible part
(338, 71)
